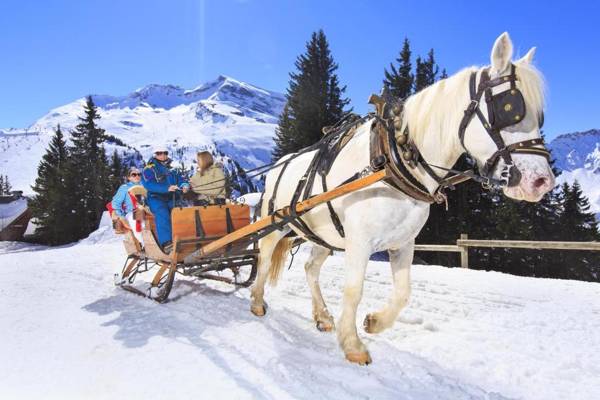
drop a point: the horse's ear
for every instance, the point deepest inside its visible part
(527, 58)
(502, 53)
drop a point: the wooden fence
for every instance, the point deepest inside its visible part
(463, 244)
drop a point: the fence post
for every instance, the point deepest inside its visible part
(464, 252)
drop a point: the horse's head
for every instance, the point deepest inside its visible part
(501, 128)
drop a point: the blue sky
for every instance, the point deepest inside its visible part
(53, 52)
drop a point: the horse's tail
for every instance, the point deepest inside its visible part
(278, 259)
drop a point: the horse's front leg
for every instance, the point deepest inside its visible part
(357, 257)
(400, 261)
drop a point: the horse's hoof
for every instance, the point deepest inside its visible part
(325, 326)
(259, 311)
(361, 358)
(370, 324)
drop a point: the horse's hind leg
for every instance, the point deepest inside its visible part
(266, 246)
(400, 261)
(321, 315)
(357, 257)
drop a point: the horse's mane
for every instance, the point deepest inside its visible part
(433, 115)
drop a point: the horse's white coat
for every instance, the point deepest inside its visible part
(380, 218)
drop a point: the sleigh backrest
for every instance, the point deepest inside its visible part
(208, 222)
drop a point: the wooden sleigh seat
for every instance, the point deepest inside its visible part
(197, 226)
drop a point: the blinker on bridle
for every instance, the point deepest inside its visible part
(504, 109)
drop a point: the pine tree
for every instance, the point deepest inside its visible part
(49, 205)
(400, 80)
(5, 186)
(577, 223)
(426, 71)
(283, 135)
(117, 171)
(314, 98)
(88, 173)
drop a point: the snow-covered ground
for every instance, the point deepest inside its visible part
(67, 333)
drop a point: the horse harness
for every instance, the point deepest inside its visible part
(335, 139)
(393, 150)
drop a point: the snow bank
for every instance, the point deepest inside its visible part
(104, 233)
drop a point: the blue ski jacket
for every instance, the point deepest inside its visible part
(157, 177)
(121, 201)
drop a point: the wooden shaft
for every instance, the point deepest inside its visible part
(286, 211)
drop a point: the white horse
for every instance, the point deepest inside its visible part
(380, 217)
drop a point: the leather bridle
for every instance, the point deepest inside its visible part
(504, 109)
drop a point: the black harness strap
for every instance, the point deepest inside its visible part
(326, 152)
(273, 198)
(334, 217)
(296, 219)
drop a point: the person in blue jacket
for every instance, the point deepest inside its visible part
(122, 204)
(162, 182)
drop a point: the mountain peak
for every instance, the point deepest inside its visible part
(223, 89)
(572, 150)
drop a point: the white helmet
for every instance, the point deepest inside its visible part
(159, 148)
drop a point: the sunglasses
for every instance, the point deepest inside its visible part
(135, 174)
(160, 153)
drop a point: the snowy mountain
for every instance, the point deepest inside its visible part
(233, 119)
(578, 156)
(68, 333)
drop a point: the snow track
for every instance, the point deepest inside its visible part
(67, 332)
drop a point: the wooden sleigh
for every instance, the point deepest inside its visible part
(193, 228)
(211, 240)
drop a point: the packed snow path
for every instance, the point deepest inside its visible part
(67, 332)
